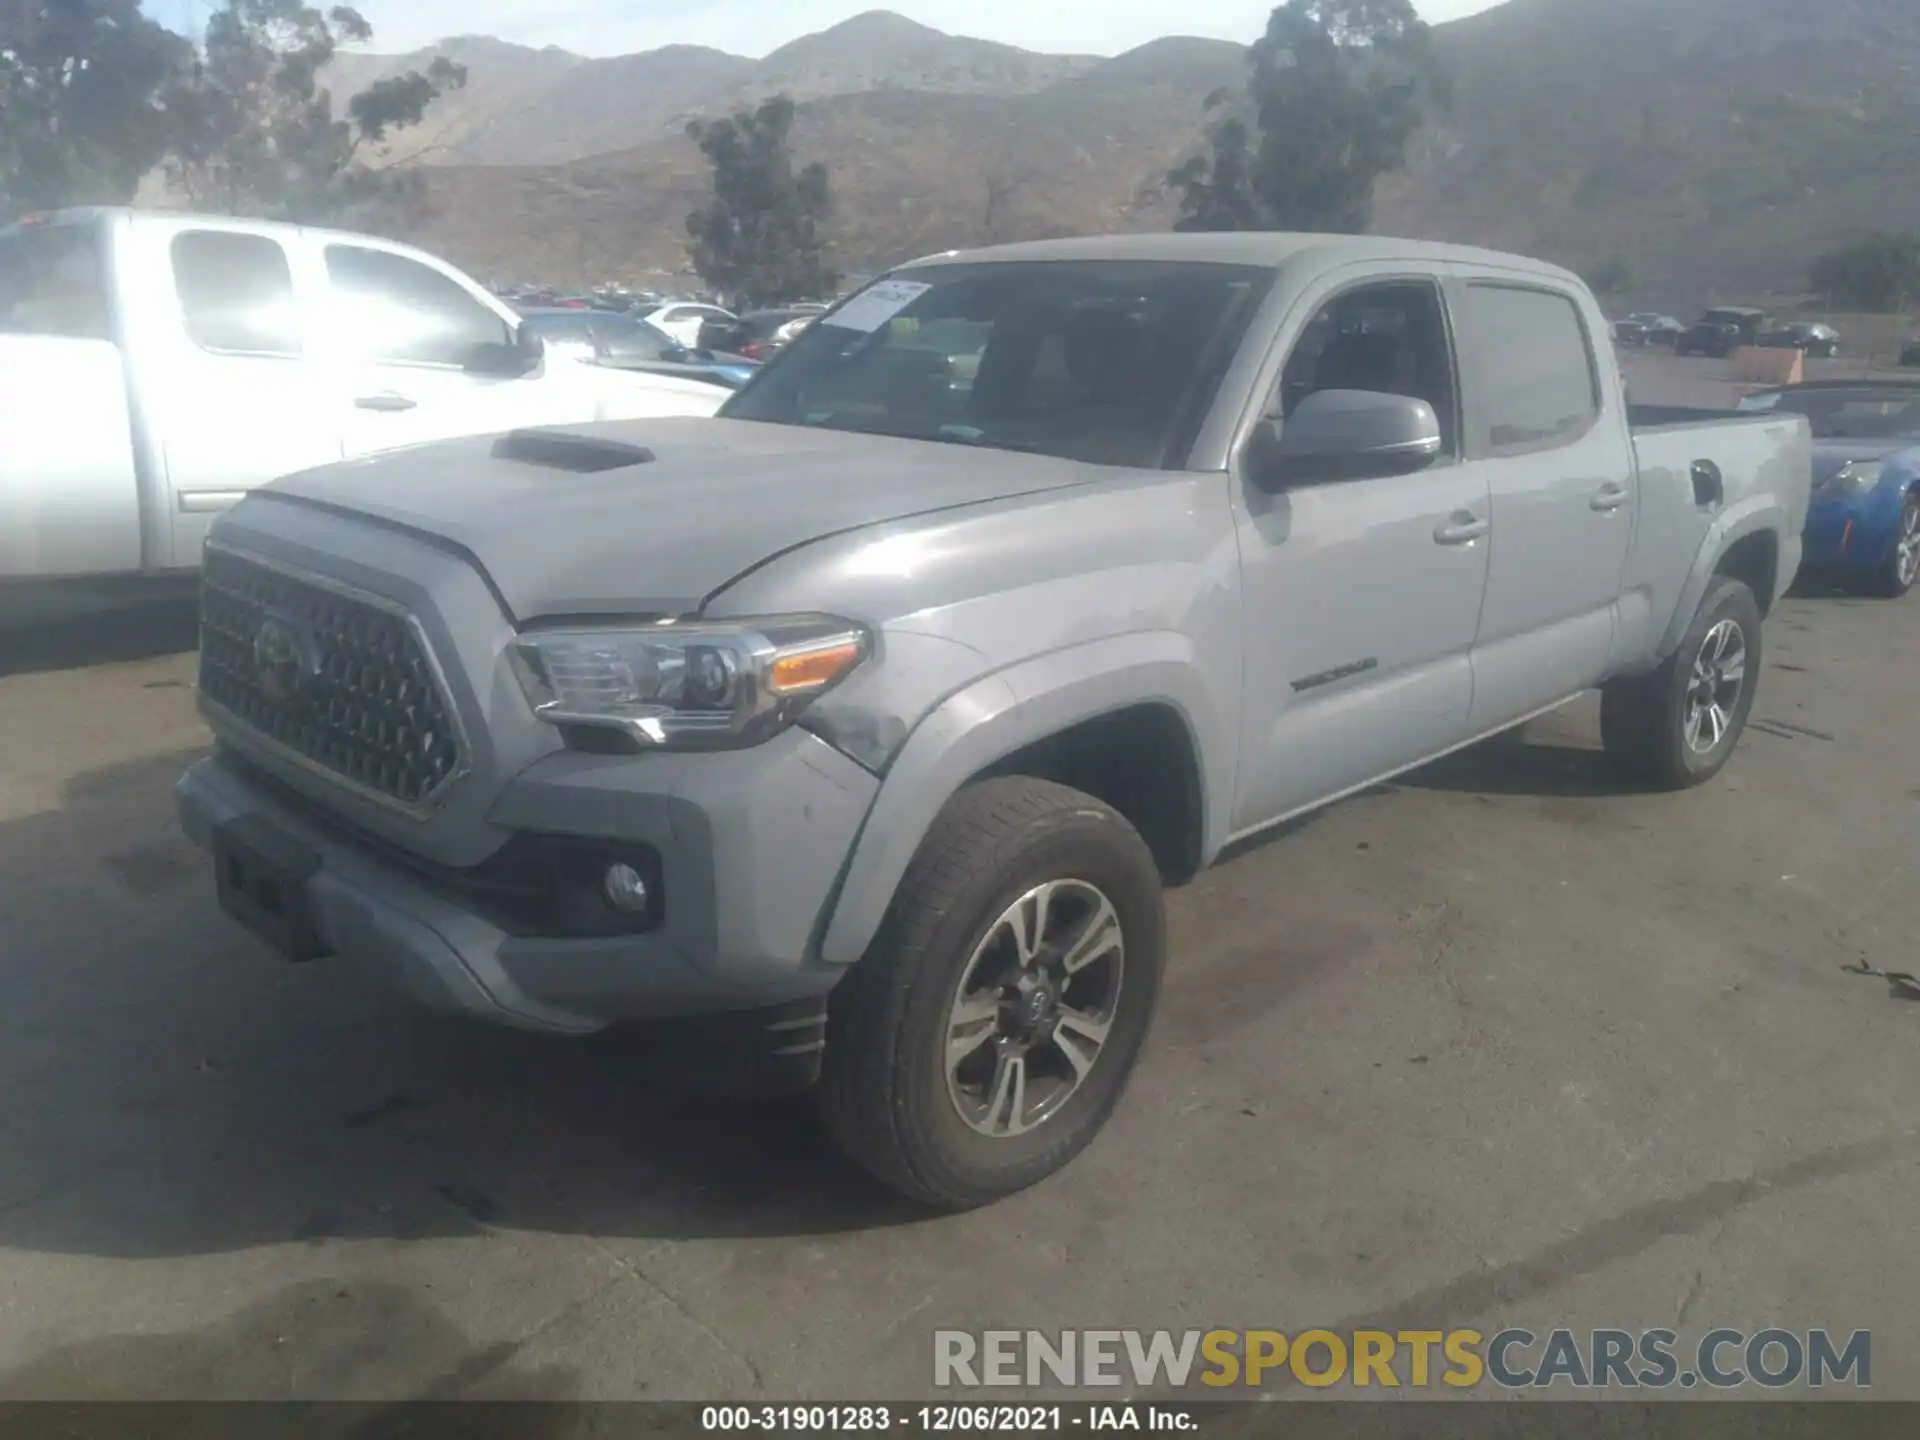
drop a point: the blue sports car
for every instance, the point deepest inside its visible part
(624, 342)
(1864, 523)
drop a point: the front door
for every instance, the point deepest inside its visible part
(402, 335)
(1362, 597)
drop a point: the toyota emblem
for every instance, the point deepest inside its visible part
(282, 659)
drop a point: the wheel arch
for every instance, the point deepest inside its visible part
(1748, 542)
(1128, 719)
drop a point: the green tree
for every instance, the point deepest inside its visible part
(253, 130)
(1338, 90)
(1216, 189)
(1879, 272)
(80, 117)
(1613, 276)
(759, 240)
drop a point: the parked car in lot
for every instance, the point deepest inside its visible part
(622, 342)
(154, 367)
(1705, 337)
(761, 333)
(860, 727)
(1647, 328)
(1864, 522)
(1654, 328)
(1718, 333)
(687, 321)
(1820, 342)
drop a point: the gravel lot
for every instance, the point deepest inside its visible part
(1496, 1045)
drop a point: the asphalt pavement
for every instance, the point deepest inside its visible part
(1494, 1045)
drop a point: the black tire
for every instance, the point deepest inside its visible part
(1644, 723)
(885, 1094)
(1896, 577)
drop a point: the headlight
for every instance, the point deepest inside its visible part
(702, 685)
(1856, 477)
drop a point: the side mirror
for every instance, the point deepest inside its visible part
(520, 357)
(1345, 435)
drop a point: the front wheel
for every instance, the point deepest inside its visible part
(1896, 577)
(1678, 727)
(992, 1026)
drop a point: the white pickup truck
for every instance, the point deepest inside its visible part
(156, 366)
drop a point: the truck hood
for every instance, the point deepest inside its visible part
(659, 537)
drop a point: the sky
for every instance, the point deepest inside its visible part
(753, 27)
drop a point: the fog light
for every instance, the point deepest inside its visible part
(625, 889)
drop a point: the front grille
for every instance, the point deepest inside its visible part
(339, 681)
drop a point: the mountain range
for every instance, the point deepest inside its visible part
(1714, 145)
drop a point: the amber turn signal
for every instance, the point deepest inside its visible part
(812, 669)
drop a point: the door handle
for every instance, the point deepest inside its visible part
(1463, 527)
(1610, 497)
(387, 402)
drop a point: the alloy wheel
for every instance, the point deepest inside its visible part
(1713, 691)
(1034, 1007)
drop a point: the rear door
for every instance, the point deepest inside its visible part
(1559, 468)
(231, 384)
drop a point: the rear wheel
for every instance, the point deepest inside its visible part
(1678, 727)
(990, 1030)
(1896, 577)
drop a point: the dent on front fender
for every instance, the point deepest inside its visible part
(869, 717)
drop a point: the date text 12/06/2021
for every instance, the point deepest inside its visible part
(945, 1419)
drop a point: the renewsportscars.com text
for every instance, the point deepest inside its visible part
(1512, 1359)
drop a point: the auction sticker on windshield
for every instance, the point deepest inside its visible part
(877, 304)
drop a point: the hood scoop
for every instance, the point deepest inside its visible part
(577, 454)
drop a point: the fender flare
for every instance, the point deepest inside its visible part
(1748, 517)
(1000, 714)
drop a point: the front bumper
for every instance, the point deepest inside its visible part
(751, 844)
(1852, 532)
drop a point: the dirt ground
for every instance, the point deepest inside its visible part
(1496, 1045)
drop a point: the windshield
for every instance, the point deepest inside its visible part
(1847, 414)
(1107, 362)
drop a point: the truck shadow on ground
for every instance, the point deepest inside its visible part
(1514, 765)
(170, 1088)
(315, 1338)
(47, 635)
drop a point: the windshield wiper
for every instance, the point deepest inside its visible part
(954, 435)
(978, 439)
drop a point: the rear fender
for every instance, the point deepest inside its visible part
(1758, 514)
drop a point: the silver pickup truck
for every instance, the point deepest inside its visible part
(859, 729)
(155, 366)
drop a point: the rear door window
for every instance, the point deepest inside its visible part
(1531, 379)
(236, 293)
(53, 281)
